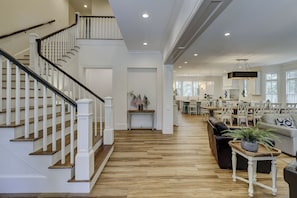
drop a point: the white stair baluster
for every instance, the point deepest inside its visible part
(1, 78)
(44, 125)
(71, 134)
(54, 130)
(95, 116)
(36, 103)
(100, 118)
(8, 92)
(63, 132)
(17, 96)
(27, 104)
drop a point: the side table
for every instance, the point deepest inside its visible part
(253, 157)
(134, 112)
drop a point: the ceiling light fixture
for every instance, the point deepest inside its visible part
(85, 5)
(186, 62)
(227, 34)
(145, 44)
(242, 70)
(145, 15)
(195, 54)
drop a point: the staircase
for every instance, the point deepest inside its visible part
(56, 135)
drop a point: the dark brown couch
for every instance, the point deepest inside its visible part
(222, 151)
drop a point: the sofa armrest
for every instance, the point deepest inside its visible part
(285, 131)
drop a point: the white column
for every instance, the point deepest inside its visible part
(108, 134)
(33, 51)
(84, 168)
(168, 100)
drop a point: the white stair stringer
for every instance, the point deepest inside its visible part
(24, 173)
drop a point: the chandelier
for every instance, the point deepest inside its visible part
(242, 70)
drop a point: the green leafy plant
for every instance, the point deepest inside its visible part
(253, 134)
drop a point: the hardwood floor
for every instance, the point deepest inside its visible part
(148, 164)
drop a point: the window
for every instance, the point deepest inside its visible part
(194, 88)
(271, 87)
(291, 86)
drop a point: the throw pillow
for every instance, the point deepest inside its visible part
(286, 122)
(268, 118)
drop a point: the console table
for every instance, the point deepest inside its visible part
(145, 112)
(253, 157)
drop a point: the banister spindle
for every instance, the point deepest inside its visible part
(8, 92)
(95, 117)
(63, 133)
(44, 116)
(17, 96)
(27, 104)
(100, 118)
(72, 119)
(54, 130)
(1, 78)
(36, 103)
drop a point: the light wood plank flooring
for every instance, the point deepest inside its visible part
(148, 164)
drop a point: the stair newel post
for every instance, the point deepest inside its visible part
(84, 161)
(34, 52)
(77, 33)
(108, 134)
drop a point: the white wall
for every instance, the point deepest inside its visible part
(114, 55)
(101, 8)
(142, 81)
(99, 81)
(16, 15)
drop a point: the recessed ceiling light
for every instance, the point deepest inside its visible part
(180, 67)
(144, 43)
(145, 15)
(85, 5)
(195, 54)
(227, 34)
(186, 62)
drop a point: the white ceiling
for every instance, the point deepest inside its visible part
(263, 31)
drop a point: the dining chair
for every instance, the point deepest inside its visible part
(205, 112)
(192, 108)
(290, 108)
(241, 114)
(275, 108)
(258, 111)
(225, 114)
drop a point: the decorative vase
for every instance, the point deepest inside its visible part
(140, 107)
(249, 146)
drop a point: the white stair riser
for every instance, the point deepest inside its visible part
(22, 102)
(36, 145)
(22, 92)
(31, 113)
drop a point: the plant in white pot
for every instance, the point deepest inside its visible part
(252, 136)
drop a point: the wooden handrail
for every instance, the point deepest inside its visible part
(26, 29)
(55, 66)
(37, 77)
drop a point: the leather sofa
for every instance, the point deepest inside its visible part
(290, 176)
(222, 151)
(286, 133)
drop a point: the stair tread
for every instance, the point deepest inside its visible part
(49, 150)
(40, 133)
(23, 108)
(99, 157)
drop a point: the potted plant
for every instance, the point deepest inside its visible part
(252, 136)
